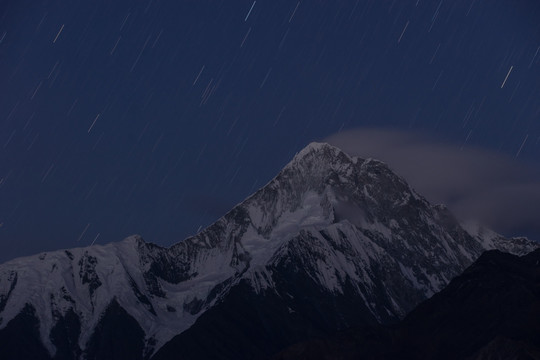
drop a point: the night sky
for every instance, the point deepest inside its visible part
(156, 117)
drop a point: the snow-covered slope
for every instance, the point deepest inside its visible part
(345, 221)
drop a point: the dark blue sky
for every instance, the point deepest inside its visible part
(156, 117)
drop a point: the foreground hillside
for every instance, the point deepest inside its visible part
(491, 311)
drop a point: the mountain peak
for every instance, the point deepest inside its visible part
(134, 239)
(323, 155)
(319, 157)
(318, 148)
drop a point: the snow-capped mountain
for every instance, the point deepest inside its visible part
(347, 231)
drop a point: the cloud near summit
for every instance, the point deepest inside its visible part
(474, 183)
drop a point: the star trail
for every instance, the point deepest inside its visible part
(156, 117)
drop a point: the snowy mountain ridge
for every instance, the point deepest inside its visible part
(347, 223)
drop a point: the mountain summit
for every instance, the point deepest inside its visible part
(332, 241)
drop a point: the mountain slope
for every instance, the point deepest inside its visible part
(496, 300)
(328, 225)
(491, 311)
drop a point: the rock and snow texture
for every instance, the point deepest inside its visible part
(346, 221)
